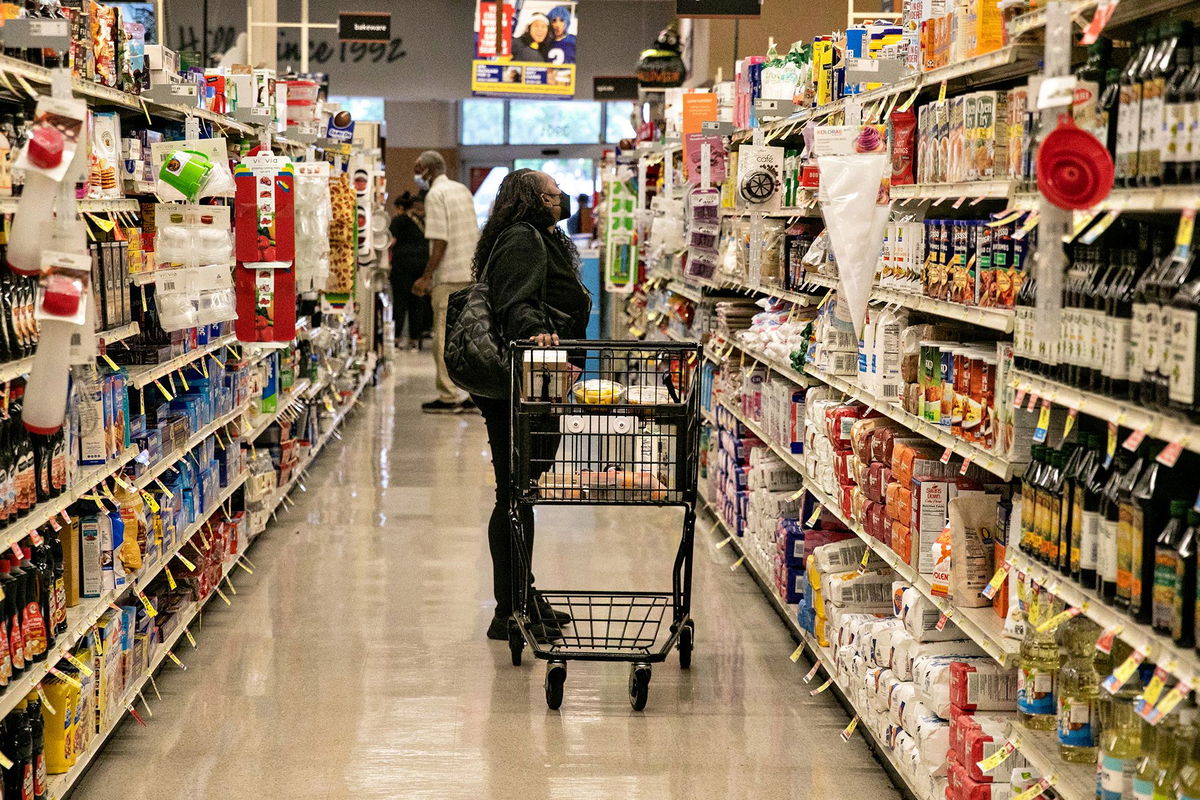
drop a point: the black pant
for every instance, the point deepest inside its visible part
(406, 306)
(496, 415)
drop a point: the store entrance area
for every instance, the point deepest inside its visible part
(353, 663)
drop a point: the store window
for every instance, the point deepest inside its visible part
(619, 123)
(367, 109)
(541, 122)
(482, 122)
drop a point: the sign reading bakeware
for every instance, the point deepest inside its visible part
(364, 26)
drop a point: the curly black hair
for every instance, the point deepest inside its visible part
(519, 199)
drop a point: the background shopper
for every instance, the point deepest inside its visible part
(410, 254)
(452, 231)
(581, 220)
(532, 271)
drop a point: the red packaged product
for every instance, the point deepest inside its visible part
(892, 502)
(902, 541)
(982, 686)
(839, 421)
(961, 725)
(878, 478)
(847, 500)
(878, 525)
(904, 147)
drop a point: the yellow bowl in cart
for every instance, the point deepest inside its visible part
(598, 392)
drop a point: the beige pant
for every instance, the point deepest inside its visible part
(447, 391)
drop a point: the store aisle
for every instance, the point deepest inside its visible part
(353, 663)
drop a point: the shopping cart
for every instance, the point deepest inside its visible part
(613, 424)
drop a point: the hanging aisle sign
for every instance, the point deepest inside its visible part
(364, 26)
(718, 8)
(524, 47)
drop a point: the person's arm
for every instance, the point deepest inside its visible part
(437, 231)
(437, 250)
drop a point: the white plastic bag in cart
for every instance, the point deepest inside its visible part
(854, 201)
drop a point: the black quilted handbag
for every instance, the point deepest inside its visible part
(476, 353)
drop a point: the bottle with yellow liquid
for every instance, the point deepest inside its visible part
(1038, 669)
(1148, 765)
(1078, 693)
(1188, 785)
(1121, 737)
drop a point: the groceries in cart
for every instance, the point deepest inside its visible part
(598, 392)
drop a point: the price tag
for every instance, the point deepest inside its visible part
(150, 610)
(942, 620)
(164, 391)
(996, 582)
(945, 459)
(1072, 414)
(1171, 453)
(959, 202)
(1056, 92)
(16, 551)
(1059, 618)
(1123, 672)
(1043, 423)
(1036, 789)
(1006, 219)
(966, 465)
(1027, 227)
(1171, 699)
(170, 579)
(724, 542)
(1017, 400)
(186, 563)
(36, 538)
(737, 564)
(150, 502)
(1103, 14)
(912, 98)
(814, 516)
(1110, 449)
(999, 757)
(1183, 237)
(229, 583)
(136, 716)
(795, 656)
(866, 556)
(942, 92)
(1105, 643)
(77, 663)
(1134, 440)
(1082, 220)
(812, 673)
(222, 595)
(796, 495)
(248, 570)
(45, 700)
(170, 495)
(821, 688)
(111, 364)
(1153, 691)
(5, 761)
(191, 639)
(1033, 401)
(1100, 227)
(849, 731)
(66, 518)
(55, 525)
(62, 676)
(175, 658)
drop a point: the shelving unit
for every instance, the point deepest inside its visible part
(1040, 748)
(981, 625)
(260, 423)
(140, 377)
(11, 370)
(166, 462)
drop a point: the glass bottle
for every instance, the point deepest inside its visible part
(1078, 692)
(1129, 118)
(1038, 670)
(1183, 385)
(1165, 608)
(1110, 504)
(1188, 787)
(1176, 151)
(1088, 489)
(1173, 279)
(1154, 97)
(1029, 501)
(1183, 633)
(1126, 509)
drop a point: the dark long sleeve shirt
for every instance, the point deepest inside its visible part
(523, 274)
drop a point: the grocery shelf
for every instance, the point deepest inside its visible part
(997, 319)
(59, 785)
(142, 376)
(816, 654)
(693, 293)
(935, 433)
(87, 479)
(1158, 648)
(261, 422)
(720, 342)
(83, 617)
(11, 370)
(8, 205)
(969, 190)
(1125, 413)
(981, 625)
(1081, 9)
(1040, 749)
(166, 462)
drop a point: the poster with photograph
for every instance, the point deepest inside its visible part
(524, 47)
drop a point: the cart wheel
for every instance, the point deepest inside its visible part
(639, 685)
(516, 643)
(556, 675)
(687, 640)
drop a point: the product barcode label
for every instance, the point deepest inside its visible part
(986, 687)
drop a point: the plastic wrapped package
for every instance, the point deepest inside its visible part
(976, 684)
(886, 687)
(908, 650)
(883, 644)
(901, 695)
(844, 556)
(921, 616)
(860, 590)
(932, 735)
(312, 213)
(961, 787)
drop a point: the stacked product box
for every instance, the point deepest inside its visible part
(967, 138)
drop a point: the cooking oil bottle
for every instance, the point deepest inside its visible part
(1078, 693)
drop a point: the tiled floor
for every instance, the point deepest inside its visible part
(353, 663)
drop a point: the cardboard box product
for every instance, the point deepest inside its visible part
(930, 506)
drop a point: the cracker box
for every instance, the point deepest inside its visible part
(987, 152)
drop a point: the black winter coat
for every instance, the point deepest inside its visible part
(524, 273)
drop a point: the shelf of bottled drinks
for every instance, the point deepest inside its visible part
(978, 512)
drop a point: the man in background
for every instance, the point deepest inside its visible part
(581, 220)
(452, 231)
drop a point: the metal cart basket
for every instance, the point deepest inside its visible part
(604, 423)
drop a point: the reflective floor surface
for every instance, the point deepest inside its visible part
(353, 662)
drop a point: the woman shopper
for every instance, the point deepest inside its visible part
(532, 272)
(410, 253)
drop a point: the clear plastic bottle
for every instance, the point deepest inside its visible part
(1038, 669)
(1121, 736)
(1078, 693)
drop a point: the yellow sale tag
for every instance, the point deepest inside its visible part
(1058, 619)
(724, 542)
(62, 676)
(1072, 413)
(814, 516)
(204, 366)
(821, 688)
(1123, 672)
(912, 98)
(239, 563)
(849, 731)
(996, 582)
(734, 567)
(1036, 789)
(45, 700)
(1154, 688)
(151, 502)
(186, 563)
(1183, 237)
(191, 639)
(142, 292)
(229, 583)
(163, 389)
(150, 610)
(1171, 699)
(999, 757)
(111, 364)
(795, 656)
(1082, 220)
(1007, 219)
(5, 761)
(170, 579)
(183, 379)
(796, 495)
(222, 595)
(866, 556)
(170, 495)
(124, 484)
(175, 658)
(78, 663)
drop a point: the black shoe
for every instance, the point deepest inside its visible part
(548, 613)
(467, 406)
(439, 407)
(498, 629)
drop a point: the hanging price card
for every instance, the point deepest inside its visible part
(175, 658)
(812, 673)
(1059, 618)
(996, 582)
(1123, 672)
(248, 570)
(36, 538)
(191, 639)
(62, 676)
(1111, 448)
(1153, 690)
(999, 757)
(1134, 440)
(1100, 227)
(1033, 401)
(1043, 423)
(849, 731)
(1019, 397)
(737, 564)
(1171, 699)
(796, 495)
(942, 620)
(221, 594)
(186, 563)
(5, 762)
(966, 465)
(1072, 413)
(1183, 237)
(77, 663)
(1036, 789)
(724, 542)
(821, 688)
(814, 516)
(795, 656)
(946, 455)
(1105, 643)
(150, 610)
(45, 700)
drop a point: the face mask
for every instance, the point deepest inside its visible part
(422, 182)
(564, 207)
